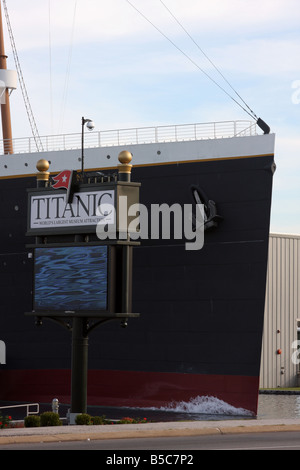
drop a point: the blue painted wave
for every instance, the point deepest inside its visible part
(71, 278)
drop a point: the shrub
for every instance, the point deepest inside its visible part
(83, 419)
(32, 421)
(5, 422)
(128, 420)
(97, 420)
(50, 419)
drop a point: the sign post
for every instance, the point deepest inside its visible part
(63, 218)
(80, 344)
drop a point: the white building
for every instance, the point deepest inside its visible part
(279, 363)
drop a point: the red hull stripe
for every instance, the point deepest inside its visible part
(128, 388)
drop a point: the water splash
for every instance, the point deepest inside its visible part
(206, 405)
(201, 407)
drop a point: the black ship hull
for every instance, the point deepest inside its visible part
(201, 324)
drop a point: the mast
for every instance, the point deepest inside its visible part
(5, 105)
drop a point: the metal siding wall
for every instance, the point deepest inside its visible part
(282, 309)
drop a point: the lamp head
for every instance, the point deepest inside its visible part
(90, 125)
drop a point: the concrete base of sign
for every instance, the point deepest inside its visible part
(71, 418)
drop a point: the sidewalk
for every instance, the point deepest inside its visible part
(167, 429)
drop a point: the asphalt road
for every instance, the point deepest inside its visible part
(176, 445)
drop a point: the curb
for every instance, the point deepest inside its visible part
(53, 435)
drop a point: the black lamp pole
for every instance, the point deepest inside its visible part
(83, 122)
(82, 145)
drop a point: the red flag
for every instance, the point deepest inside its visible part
(62, 179)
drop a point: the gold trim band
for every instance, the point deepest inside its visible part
(151, 164)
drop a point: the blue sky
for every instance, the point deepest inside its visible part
(106, 62)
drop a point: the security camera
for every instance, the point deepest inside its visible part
(90, 125)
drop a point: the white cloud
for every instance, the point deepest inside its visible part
(98, 20)
(260, 57)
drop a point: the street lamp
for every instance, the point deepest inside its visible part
(90, 125)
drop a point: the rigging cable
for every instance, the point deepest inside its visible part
(259, 121)
(187, 56)
(206, 56)
(30, 115)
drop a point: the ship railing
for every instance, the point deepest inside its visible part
(134, 136)
(27, 406)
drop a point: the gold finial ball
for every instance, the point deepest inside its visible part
(125, 157)
(42, 165)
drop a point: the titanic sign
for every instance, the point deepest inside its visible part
(50, 211)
